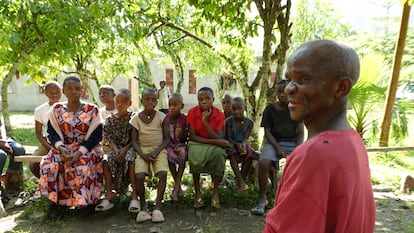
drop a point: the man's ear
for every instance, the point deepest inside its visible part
(344, 86)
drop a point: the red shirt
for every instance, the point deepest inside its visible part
(325, 187)
(216, 120)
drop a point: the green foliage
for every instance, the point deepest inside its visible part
(366, 97)
(317, 20)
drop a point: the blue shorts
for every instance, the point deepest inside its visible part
(269, 152)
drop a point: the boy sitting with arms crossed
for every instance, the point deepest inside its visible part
(149, 139)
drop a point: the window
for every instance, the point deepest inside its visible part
(227, 82)
(191, 82)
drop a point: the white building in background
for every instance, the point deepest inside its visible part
(24, 97)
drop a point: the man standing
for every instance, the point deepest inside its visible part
(326, 185)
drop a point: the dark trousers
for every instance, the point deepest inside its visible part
(18, 149)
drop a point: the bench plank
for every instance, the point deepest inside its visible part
(28, 158)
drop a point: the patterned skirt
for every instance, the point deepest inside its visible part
(78, 185)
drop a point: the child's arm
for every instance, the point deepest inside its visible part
(195, 137)
(39, 135)
(165, 141)
(211, 133)
(137, 146)
(227, 125)
(272, 140)
(248, 131)
(120, 155)
(300, 128)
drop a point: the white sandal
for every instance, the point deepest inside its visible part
(143, 216)
(104, 205)
(134, 206)
(157, 216)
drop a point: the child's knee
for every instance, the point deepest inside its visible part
(162, 175)
(140, 177)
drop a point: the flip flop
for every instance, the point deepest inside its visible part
(104, 206)
(244, 189)
(143, 216)
(157, 216)
(134, 206)
(215, 204)
(258, 209)
(198, 203)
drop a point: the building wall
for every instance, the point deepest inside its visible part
(26, 96)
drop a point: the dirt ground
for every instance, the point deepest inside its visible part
(395, 213)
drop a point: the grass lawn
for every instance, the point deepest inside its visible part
(394, 211)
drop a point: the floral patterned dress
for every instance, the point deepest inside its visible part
(78, 185)
(118, 130)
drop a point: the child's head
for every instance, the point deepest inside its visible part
(281, 96)
(162, 83)
(321, 74)
(72, 88)
(53, 91)
(122, 100)
(226, 103)
(106, 94)
(205, 98)
(149, 99)
(175, 104)
(238, 107)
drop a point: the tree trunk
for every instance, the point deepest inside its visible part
(392, 88)
(4, 100)
(180, 73)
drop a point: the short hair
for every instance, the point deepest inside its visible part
(206, 89)
(340, 56)
(238, 100)
(125, 92)
(71, 78)
(148, 90)
(107, 88)
(162, 81)
(227, 96)
(282, 82)
(50, 84)
(177, 96)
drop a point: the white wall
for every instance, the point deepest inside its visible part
(26, 97)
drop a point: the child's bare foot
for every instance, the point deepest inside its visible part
(174, 194)
(242, 186)
(181, 192)
(110, 195)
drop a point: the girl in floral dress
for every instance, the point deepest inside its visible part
(72, 171)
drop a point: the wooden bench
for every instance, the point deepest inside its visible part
(28, 156)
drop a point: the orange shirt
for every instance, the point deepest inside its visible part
(216, 120)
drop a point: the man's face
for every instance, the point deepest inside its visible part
(310, 90)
